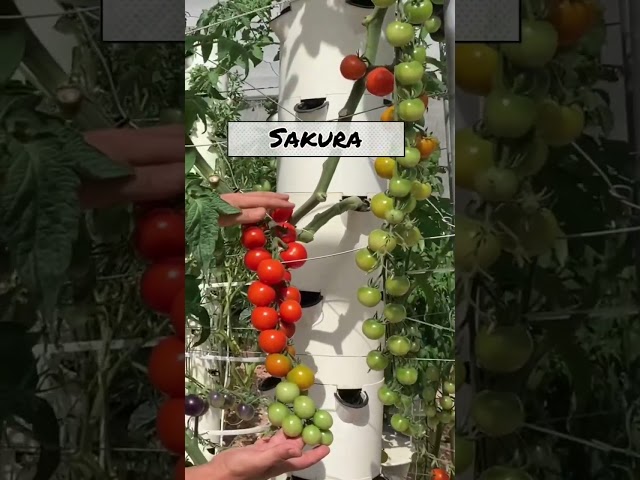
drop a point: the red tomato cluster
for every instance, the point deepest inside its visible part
(379, 81)
(160, 240)
(276, 303)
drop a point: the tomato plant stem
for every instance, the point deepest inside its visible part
(348, 204)
(374, 27)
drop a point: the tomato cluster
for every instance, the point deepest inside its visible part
(408, 81)
(276, 310)
(160, 240)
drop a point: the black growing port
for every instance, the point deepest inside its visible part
(268, 383)
(361, 3)
(309, 105)
(352, 397)
(310, 299)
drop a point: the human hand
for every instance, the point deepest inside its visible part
(156, 155)
(265, 459)
(254, 206)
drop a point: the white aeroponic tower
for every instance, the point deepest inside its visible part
(315, 35)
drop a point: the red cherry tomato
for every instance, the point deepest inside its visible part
(253, 237)
(260, 294)
(439, 474)
(170, 425)
(286, 232)
(352, 67)
(264, 318)
(161, 283)
(287, 275)
(295, 255)
(290, 293)
(166, 367)
(178, 315)
(272, 341)
(380, 82)
(289, 329)
(270, 272)
(280, 215)
(253, 258)
(290, 311)
(159, 235)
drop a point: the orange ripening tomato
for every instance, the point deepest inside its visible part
(426, 146)
(387, 115)
(278, 365)
(571, 19)
(425, 100)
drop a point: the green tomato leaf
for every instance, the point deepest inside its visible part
(205, 326)
(202, 228)
(40, 215)
(12, 45)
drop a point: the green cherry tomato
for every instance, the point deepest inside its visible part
(419, 54)
(292, 426)
(411, 110)
(449, 388)
(323, 420)
(503, 348)
(537, 46)
(383, 3)
(304, 407)
(410, 204)
(411, 157)
(387, 396)
(465, 454)
(276, 413)
(407, 375)
(369, 296)
(399, 187)
(311, 435)
(408, 73)
(411, 237)
(380, 205)
(416, 345)
(496, 184)
(399, 34)
(287, 392)
(430, 411)
(474, 155)
(559, 125)
(394, 312)
(432, 373)
(327, 438)
(397, 286)
(398, 346)
(418, 12)
(373, 329)
(394, 217)
(399, 423)
(507, 115)
(497, 414)
(381, 242)
(535, 157)
(446, 403)
(366, 261)
(433, 24)
(445, 417)
(429, 394)
(377, 361)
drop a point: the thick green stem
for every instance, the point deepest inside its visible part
(373, 24)
(346, 205)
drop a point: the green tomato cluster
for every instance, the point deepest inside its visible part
(298, 416)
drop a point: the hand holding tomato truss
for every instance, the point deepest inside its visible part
(267, 458)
